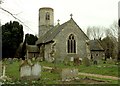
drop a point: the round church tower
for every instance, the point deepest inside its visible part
(46, 20)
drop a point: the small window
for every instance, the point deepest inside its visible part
(34, 55)
(97, 54)
(47, 16)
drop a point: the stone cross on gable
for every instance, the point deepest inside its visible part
(58, 21)
(71, 15)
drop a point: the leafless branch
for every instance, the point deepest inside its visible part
(95, 32)
(13, 15)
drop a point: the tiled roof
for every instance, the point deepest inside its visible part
(32, 48)
(50, 35)
(95, 45)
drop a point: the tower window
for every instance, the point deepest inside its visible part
(71, 44)
(47, 16)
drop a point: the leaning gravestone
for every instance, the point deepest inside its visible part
(36, 71)
(69, 74)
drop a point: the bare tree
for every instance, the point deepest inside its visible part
(112, 33)
(114, 29)
(95, 32)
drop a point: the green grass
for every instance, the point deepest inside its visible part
(109, 81)
(105, 69)
(12, 71)
(111, 71)
(50, 78)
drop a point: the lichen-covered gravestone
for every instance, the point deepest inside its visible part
(36, 71)
(30, 71)
(69, 74)
(25, 70)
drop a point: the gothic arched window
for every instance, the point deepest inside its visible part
(71, 44)
(47, 17)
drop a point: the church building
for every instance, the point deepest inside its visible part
(61, 41)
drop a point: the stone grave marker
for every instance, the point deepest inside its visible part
(69, 74)
(72, 59)
(25, 70)
(4, 77)
(36, 71)
(10, 60)
(29, 70)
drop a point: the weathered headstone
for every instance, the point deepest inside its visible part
(36, 71)
(30, 71)
(25, 70)
(69, 74)
(10, 60)
(71, 59)
(4, 68)
(15, 59)
(4, 77)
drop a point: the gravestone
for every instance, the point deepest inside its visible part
(10, 60)
(69, 74)
(36, 71)
(30, 71)
(71, 59)
(4, 68)
(15, 59)
(4, 77)
(25, 70)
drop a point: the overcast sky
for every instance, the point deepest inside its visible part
(85, 12)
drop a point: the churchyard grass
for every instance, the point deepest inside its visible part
(103, 69)
(98, 69)
(12, 71)
(110, 81)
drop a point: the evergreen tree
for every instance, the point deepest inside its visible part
(12, 36)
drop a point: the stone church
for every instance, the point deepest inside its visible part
(62, 41)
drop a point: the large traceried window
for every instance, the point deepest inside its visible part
(47, 17)
(71, 44)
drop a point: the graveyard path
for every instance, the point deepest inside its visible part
(99, 76)
(93, 75)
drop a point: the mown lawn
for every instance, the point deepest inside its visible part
(12, 71)
(103, 69)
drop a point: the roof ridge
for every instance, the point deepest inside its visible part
(51, 34)
(79, 28)
(100, 44)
